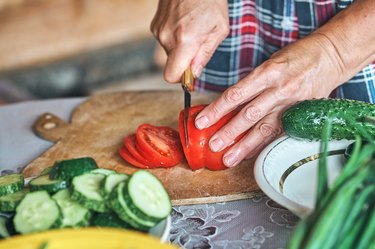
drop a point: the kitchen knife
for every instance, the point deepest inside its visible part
(187, 82)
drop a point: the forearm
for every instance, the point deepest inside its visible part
(350, 38)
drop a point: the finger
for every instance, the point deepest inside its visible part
(242, 92)
(258, 137)
(249, 115)
(179, 58)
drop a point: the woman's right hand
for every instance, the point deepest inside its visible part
(189, 31)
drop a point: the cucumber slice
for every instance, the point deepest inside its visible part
(8, 203)
(86, 191)
(147, 197)
(74, 215)
(37, 212)
(120, 207)
(105, 172)
(69, 168)
(4, 233)
(11, 183)
(111, 181)
(46, 171)
(108, 220)
(43, 182)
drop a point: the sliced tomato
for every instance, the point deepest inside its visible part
(130, 144)
(198, 153)
(125, 154)
(160, 145)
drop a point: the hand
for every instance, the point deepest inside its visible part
(306, 69)
(189, 31)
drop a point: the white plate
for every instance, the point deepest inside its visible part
(286, 171)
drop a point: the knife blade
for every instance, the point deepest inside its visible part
(187, 100)
(187, 82)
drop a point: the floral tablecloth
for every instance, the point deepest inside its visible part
(258, 222)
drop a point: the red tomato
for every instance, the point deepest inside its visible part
(197, 152)
(160, 145)
(125, 154)
(194, 150)
(130, 144)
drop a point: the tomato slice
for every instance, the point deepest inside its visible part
(160, 145)
(130, 144)
(194, 151)
(125, 154)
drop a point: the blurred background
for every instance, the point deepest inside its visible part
(69, 48)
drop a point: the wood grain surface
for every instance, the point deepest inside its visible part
(98, 126)
(34, 32)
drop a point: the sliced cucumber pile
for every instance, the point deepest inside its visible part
(76, 193)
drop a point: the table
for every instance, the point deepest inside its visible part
(257, 223)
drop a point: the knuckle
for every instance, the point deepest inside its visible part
(215, 110)
(233, 95)
(268, 131)
(252, 114)
(182, 36)
(225, 30)
(287, 90)
(230, 134)
(163, 36)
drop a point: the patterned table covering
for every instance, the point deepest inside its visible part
(252, 223)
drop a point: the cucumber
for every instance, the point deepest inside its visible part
(74, 215)
(307, 118)
(108, 220)
(46, 171)
(43, 182)
(4, 233)
(105, 172)
(69, 168)
(8, 203)
(147, 197)
(86, 191)
(120, 207)
(111, 181)
(11, 183)
(37, 212)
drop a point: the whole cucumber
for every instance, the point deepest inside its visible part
(306, 119)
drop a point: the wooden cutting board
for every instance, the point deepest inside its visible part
(98, 126)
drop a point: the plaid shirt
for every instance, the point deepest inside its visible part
(258, 28)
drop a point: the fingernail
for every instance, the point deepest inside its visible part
(197, 71)
(201, 122)
(231, 160)
(216, 144)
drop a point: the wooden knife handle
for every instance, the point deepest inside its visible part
(50, 127)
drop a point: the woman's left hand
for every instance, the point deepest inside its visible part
(307, 69)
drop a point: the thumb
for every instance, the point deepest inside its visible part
(178, 60)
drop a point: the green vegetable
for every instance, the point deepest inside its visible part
(10, 184)
(43, 182)
(8, 203)
(4, 233)
(138, 201)
(86, 191)
(37, 212)
(69, 168)
(307, 118)
(74, 215)
(108, 220)
(344, 215)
